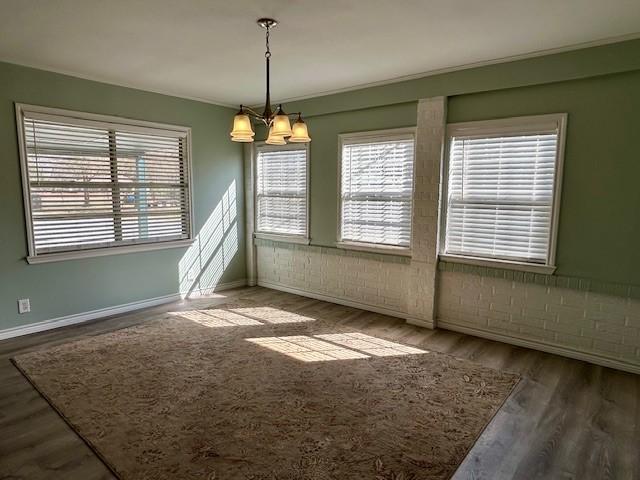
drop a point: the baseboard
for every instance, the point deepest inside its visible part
(346, 302)
(420, 323)
(108, 312)
(543, 346)
(86, 316)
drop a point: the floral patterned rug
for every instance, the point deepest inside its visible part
(257, 392)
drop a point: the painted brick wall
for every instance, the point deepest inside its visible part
(430, 132)
(583, 321)
(571, 321)
(341, 275)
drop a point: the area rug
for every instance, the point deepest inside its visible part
(255, 392)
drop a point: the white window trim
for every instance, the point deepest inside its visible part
(274, 237)
(374, 248)
(504, 126)
(108, 121)
(303, 239)
(497, 263)
(364, 137)
(106, 251)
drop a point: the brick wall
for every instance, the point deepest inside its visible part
(582, 321)
(594, 326)
(430, 132)
(376, 281)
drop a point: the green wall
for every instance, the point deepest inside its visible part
(323, 193)
(599, 227)
(68, 287)
(573, 65)
(598, 87)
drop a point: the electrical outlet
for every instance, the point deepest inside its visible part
(24, 306)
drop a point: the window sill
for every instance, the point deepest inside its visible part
(494, 263)
(283, 238)
(375, 248)
(105, 251)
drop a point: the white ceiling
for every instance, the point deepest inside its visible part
(213, 50)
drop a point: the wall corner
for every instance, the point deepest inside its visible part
(250, 247)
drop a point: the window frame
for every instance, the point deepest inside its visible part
(510, 125)
(363, 137)
(303, 239)
(100, 121)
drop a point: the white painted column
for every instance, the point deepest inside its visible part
(430, 137)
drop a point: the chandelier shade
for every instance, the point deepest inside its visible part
(242, 126)
(281, 125)
(299, 133)
(274, 139)
(278, 123)
(247, 139)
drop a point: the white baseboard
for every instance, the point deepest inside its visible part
(346, 302)
(86, 316)
(108, 312)
(543, 346)
(421, 323)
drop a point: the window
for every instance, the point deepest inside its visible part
(376, 189)
(95, 184)
(502, 191)
(281, 191)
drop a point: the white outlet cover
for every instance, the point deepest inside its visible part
(24, 306)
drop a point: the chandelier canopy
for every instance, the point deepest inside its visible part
(280, 129)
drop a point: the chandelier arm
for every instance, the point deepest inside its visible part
(251, 112)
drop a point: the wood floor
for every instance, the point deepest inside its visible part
(565, 420)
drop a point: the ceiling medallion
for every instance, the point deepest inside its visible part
(280, 129)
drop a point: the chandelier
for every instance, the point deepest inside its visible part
(280, 129)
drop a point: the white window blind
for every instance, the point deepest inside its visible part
(93, 185)
(501, 189)
(281, 190)
(376, 189)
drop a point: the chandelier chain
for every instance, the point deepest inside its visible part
(267, 54)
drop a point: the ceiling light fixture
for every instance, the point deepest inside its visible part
(278, 123)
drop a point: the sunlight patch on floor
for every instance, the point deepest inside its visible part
(307, 349)
(334, 346)
(236, 316)
(272, 315)
(371, 345)
(216, 318)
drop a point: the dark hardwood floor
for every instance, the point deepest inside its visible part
(565, 420)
